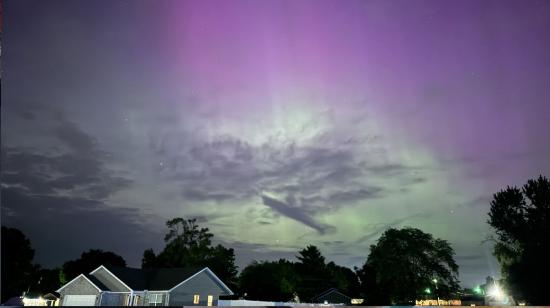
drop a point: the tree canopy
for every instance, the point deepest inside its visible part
(285, 280)
(19, 273)
(405, 263)
(275, 281)
(186, 244)
(89, 261)
(18, 270)
(521, 220)
(313, 274)
(344, 279)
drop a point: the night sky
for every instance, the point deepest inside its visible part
(276, 124)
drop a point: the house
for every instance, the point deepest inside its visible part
(50, 299)
(332, 296)
(121, 286)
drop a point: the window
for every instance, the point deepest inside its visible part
(155, 299)
(210, 300)
(196, 299)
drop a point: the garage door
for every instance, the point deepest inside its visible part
(79, 300)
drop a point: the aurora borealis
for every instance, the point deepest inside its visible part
(276, 123)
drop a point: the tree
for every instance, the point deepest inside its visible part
(521, 219)
(406, 263)
(18, 271)
(344, 279)
(149, 259)
(48, 280)
(89, 261)
(270, 281)
(189, 245)
(221, 261)
(369, 289)
(313, 274)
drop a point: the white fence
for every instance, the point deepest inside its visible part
(241, 302)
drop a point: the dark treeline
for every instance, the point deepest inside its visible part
(404, 265)
(187, 244)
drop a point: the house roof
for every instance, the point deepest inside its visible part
(96, 282)
(52, 295)
(91, 279)
(329, 291)
(153, 279)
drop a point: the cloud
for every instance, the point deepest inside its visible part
(62, 227)
(248, 252)
(196, 194)
(390, 169)
(381, 227)
(80, 169)
(479, 202)
(354, 195)
(60, 197)
(51, 174)
(230, 169)
(77, 140)
(296, 213)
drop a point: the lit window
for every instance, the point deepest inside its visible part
(155, 299)
(196, 298)
(210, 300)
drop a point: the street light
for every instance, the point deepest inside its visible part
(436, 290)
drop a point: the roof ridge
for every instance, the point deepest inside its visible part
(328, 291)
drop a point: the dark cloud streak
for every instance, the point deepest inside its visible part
(296, 214)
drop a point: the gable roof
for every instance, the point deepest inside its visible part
(167, 278)
(329, 291)
(159, 279)
(212, 275)
(96, 282)
(92, 280)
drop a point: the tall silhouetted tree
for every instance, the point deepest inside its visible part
(270, 281)
(18, 271)
(406, 262)
(89, 261)
(189, 245)
(521, 219)
(313, 274)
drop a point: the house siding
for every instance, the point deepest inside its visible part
(146, 299)
(114, 299)
(203, 285)
(109, 281)
(80, 286)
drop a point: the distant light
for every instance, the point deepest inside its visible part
(33, 301)
(522, 304)
(496, 292)
(428, 291)
(434, 280)
(478, 290)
